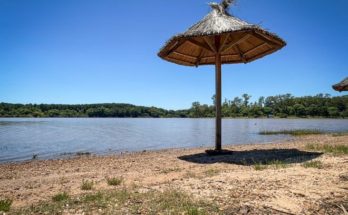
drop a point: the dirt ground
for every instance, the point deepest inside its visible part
(237, 179)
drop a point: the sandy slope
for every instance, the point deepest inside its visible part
(229, 180)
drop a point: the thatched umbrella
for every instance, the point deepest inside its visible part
(220, 38)
(342, 86)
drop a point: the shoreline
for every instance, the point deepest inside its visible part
(234, 179)
(76, 155)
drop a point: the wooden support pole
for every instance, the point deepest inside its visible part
(218, 94)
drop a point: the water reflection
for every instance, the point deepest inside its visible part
(50, 138)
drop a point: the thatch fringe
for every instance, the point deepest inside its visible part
(186, 48)
(342, 86)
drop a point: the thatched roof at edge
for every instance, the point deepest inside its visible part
(342, 86)
(220, 22)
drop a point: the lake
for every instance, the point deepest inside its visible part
(21, 138)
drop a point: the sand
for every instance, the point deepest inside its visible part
(228, 180)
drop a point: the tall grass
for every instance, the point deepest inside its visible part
(313, 164)
(326, 148)
(274, 164)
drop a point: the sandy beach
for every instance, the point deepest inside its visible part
(253, 179)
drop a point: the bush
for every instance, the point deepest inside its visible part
(114, 181)
(87, 185)
(60, 197)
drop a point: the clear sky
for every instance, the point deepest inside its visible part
(103, 51)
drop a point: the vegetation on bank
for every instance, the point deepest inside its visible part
(297, 132)
(123, 201)
(326, 148)
(303, 132)
(273, 106)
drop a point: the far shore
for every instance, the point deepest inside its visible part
(306, 175)
(83, 117)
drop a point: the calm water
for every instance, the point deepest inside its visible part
(20, 139)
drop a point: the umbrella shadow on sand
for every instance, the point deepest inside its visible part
(251, 157)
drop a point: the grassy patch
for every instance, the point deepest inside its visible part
(259, 167)
(313, 164)
(211, 172)
(340, 134)
(83, 153)
(60, 197)
(126, 202)
(274, 164)
(175, 202)
(5, 205)
(190, 174)
(96, 197)
(277, 164)
(87, 185)
(169, 170)
(114, 181)
(326, 148)
(297, 132)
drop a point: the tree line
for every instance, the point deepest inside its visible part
(282, 106)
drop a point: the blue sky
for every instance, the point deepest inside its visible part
(82, 51)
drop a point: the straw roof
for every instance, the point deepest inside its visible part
(342, 86)
(240, 42)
